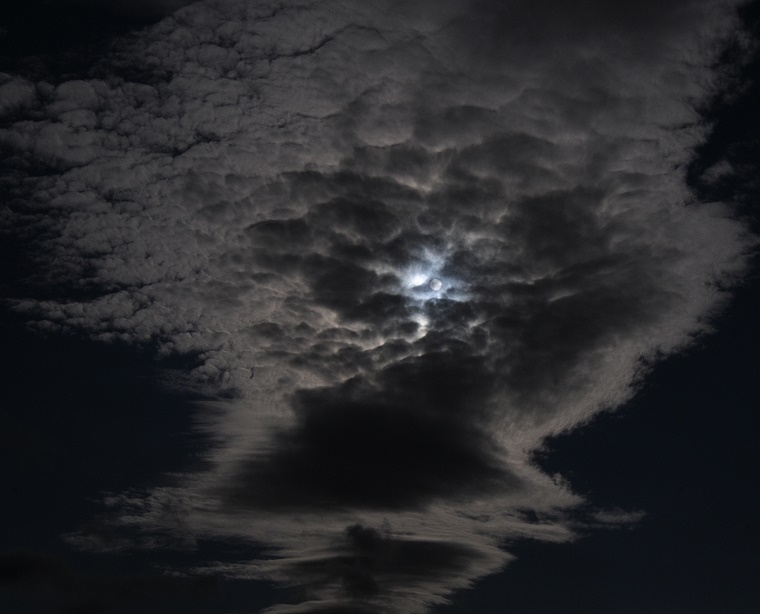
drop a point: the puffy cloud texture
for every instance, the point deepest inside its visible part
(271, 187)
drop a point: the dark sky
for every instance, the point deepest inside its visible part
(412, 307)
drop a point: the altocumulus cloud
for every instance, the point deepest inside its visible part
(271, 187)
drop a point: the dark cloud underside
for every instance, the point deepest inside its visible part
(402, 442)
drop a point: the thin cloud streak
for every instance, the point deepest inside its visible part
(270, 188)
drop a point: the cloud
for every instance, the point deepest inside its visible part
(401, 442)
(365, 565)
(270, 188)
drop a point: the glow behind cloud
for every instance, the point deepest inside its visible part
(274, 187)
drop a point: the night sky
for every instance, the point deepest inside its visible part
(379, 308)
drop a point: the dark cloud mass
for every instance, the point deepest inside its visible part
(415, 435)
(270, 188)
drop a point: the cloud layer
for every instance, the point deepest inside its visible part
(271, 188)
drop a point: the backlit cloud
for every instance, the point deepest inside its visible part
(271, 189)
